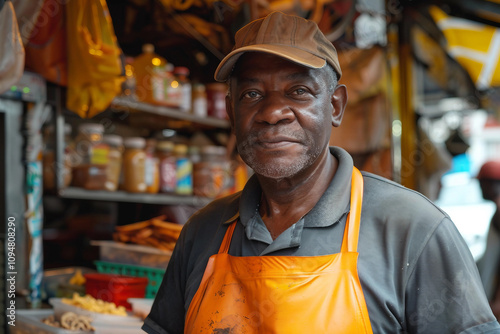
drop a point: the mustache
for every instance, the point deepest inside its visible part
(257, 135)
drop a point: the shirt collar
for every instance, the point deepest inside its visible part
(333, 204)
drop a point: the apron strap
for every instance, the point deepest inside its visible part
(351, 232)
(224, 246)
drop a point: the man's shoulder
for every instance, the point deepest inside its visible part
(215, 213)
(390, 198)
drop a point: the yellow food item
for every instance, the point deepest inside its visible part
(77, 278)
(89, 303)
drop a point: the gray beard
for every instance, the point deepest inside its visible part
(278, 170)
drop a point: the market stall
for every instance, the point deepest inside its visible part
(117, 130)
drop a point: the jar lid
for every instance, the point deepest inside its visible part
(134, 142)
(91, 128)
(213, 150)
(199, 87)
(113, 140)
(165, 145)
(180, 149)
(148, 48)
(181, 70)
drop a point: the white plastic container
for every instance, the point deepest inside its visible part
(138, 255)
(141, 306)
(98, 319)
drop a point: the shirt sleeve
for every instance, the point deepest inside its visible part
(444, 293)
(167, 312)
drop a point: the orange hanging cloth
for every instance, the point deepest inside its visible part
(284, 294)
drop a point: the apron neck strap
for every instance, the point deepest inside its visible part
(224, 246)
(351, 232)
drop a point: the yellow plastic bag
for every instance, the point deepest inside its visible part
(11, 48)
(95, 70)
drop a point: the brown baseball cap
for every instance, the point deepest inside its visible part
(291, 37)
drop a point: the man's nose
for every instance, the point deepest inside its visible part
(275, 109)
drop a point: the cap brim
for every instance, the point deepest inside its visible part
(291, 53)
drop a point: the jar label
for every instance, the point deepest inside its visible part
(184, 173)
(99, 155)
(168, 178)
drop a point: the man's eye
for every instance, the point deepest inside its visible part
(300, 91)
(251, 95)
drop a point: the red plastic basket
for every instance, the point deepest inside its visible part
(115, 288)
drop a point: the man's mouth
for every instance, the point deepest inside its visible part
(278, 141)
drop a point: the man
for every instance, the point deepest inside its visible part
(274, 258)
(489, 181)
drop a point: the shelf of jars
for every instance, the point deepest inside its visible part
(122, 196)
(127, 104)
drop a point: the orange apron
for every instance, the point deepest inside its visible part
(284, 294)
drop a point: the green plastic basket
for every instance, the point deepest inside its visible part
(154, 275)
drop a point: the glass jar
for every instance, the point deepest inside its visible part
(210, 175)
(199, 102)
(216, 100)
(152, 170)
(168, 166)
(91, 157)
(181, 73)
(49, 164)
(184, 170)
(134, 165)
(113, 171)
(87, 143)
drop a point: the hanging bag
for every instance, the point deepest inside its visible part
(11, 48)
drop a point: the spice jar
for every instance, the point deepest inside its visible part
(168, 166)
(91, 157)
(49, 164)
(216, 100)
(199, 100)
(211, 173)
(184, 170)
(152, 170)
(134, 165)
(181, 74)
(113, 171)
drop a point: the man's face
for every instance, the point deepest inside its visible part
(282, 114)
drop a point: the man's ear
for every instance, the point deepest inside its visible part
(339, 101)
(229, 111)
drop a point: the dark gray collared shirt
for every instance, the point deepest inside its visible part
(417, 273)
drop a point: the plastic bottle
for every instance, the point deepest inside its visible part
(168, 166)
(150, 73)
(184, 170)
(134, 165)
(113, 171)
(182, 75)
